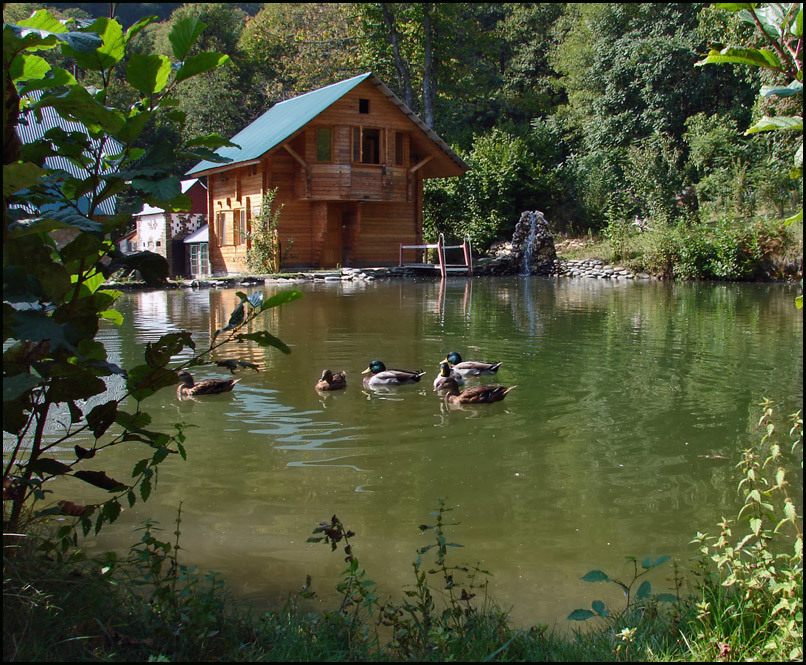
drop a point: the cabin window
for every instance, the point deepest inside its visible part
(324, 144)
(366, 145)
(239, 228)
(221, 228)
(363, 106)
(400, 138)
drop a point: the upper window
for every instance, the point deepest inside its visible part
(367, 145)
(363, 106)
(324, 144)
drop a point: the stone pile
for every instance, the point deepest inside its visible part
(593, 268)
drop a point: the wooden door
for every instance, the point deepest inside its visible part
(332, 249)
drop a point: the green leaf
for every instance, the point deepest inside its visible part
(644, 591)
(107, 54)
(666, 598)
(580, 615)
(45, 466)
(145, 489)
(742, 56)
(36, 325)
(184, 34)
(595, 576)
(793, 88)
(264, 339)
(148, 73)
(101, 417)
(280, 298)
(19, 384)
(255, 299)
(112, 315)
(600, 609)
(54, 78)
(767, 124)
(100, 479)
(20, 176)
(162, 189)
(661, 559)
(198, 64)
(26, 66)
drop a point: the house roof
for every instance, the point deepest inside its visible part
(199, 235)
(283, 120)
(35, 131)
(153, 210)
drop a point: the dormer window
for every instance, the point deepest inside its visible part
(363, 106)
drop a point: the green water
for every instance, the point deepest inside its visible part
(633, 402)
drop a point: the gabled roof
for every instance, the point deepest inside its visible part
(283, 120)
(30, 130)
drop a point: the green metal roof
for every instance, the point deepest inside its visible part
(280, 122)
(284, 119)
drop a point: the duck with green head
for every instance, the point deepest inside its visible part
(445, 373)
(380, 376)
(470, 367)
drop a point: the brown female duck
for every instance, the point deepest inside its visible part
(474, 395)
(331, 381)
(189, 388)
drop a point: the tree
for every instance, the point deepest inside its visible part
(293, 48)
(781, 28)
(55, 371)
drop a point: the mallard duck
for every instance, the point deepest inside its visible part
(470, 367)
(445, 372)
(380, 376)
(474, 395)
(331, 381)
(189, 388)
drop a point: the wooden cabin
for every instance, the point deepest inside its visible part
(348, 162)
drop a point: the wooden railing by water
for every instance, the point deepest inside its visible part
(442, 263)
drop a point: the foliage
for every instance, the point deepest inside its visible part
(643, 593)
(781, 27)
(263, 255)
(436, 620)
(59, 386)
(293, 48)
(508, 174)
(751, 587)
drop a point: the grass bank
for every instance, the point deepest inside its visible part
(741, 599)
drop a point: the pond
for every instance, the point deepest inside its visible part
(633, 402)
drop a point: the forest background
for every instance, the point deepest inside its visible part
(593, 113)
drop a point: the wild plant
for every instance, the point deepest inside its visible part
(439, 614)
(751, 603)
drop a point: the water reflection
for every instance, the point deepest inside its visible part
(633, 402)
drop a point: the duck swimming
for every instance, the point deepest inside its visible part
(331, 381)
(470, 367)
(189, 388)
(474, 395)
(445, 373)
(380, 376)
